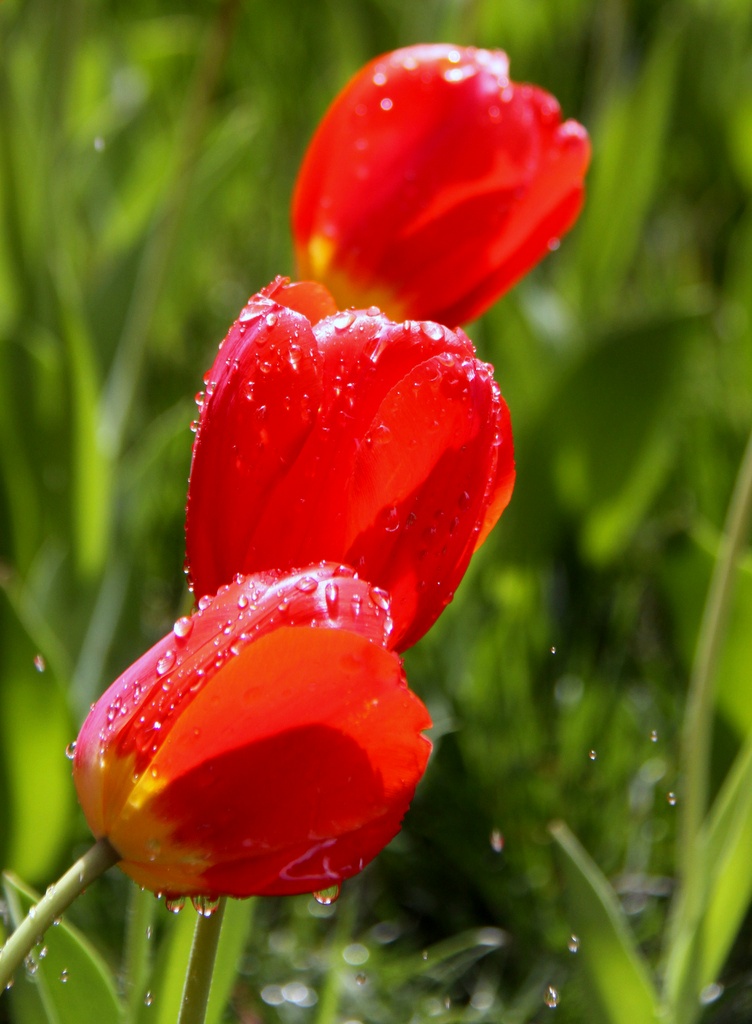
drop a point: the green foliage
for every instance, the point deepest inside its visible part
(147, 157)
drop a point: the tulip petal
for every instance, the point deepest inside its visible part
(276, 753)
(434, 183)
(262, 396)
(432, 455)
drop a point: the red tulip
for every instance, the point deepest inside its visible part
(434, 183)
(269, 745)
(384, 446)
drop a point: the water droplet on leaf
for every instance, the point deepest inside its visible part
(551, 998)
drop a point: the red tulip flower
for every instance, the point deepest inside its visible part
(434, 183)
(351, 438)
(268, 745)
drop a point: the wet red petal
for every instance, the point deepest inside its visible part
(433, 183)
(274, 754)
(262, 398)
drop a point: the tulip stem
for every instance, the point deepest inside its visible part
(198, 977)
(58, 898)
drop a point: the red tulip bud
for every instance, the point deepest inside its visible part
(434, 183)
(268, 745)
(384, 446)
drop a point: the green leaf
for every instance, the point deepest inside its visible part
(708, 921)
(618, 974)
(71, 982)
(34, 730)
(628, 166)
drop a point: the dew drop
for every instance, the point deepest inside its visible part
(432, 330)
(355, 604)
(497, 841)
(360, 979)
(380, 598)
(39, 663)
(711, 993)
(70, 750)
(574, 944)
(553, 650)
(331, 593)
(148, 999)
(463, 501)
(551, 998)
(306, 584)
(271, 319)
(386, 103)
(205, 905)
(204, 602)
(654, 736)
(343, 320)
(593, 755)
(327, 896)
(166, 662)
(183, 627)
(671, 798)
(64, 976)
(175, 904)
(390, 519)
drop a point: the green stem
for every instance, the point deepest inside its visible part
(198, 978)
(57, 899)
(141, 904)
(698, 719)
(684, 936)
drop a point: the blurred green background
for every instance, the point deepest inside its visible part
(147, 156)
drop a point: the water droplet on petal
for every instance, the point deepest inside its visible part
(166, 662)
(390, 519)
(551, 998)
(306, 584)
(380, 598)
(183, 627)
(175, 904)
(331, 593)
(431, 330)
(205, 905)
(343, 320)
(70, 750)
(327, 896)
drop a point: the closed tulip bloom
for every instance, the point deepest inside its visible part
(381, 445)
(434, 183)
(268, 745)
